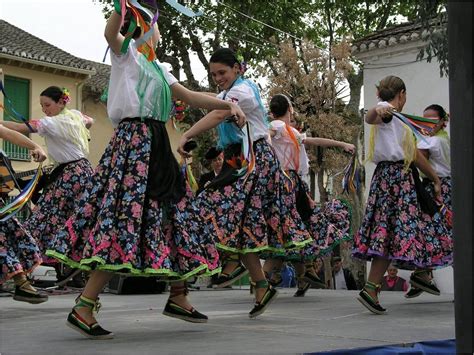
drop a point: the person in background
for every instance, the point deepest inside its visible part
(342, 278)
(393, 282)
(216, 157)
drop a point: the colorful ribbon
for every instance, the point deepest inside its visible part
(23, 197)
(10, 110)
(352, 180)
(189, 176)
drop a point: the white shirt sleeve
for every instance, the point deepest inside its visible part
(277, 126)
(47, 127)
(241, 96)
(428, 143)
(169, 77)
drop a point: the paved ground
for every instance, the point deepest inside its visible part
(323, 320)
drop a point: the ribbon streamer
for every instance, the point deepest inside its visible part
(23, 197)
(189, 176)
(352, 180)
(10, 110)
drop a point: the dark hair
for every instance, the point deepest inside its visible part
(53, 92)
(128, 19)
(439, 109)
(279, 104)
(389, 87)
(224, 56)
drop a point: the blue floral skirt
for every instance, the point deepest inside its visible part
(57, 203)
(328, 225)
(251, 214)
(18, 250)
(119, 228)
(394, 227)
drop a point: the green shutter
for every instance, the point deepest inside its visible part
(18, 91)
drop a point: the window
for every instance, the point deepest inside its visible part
(18, 91)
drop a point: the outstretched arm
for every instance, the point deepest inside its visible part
(324, 142)
(376, 114)
(19, 139)
(19, 127)
(202, 100)
(211, 120)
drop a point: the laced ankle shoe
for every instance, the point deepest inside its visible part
(268, 297)
(413, 292)
(174, 310)
(314, 280)
(79, 324)
(23, 293)
(225, 280)
(276, 278)
(303, 286)
(368, 301)
(428, 286)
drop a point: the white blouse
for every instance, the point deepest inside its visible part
(61, 146)
(285, 148)
(389, 139)
(439, 149)
(129, 71)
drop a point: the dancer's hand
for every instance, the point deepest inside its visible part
(349, 148)
(236, 111)
(184, 139)
(437, 189)
(384, 111)
(38, 154)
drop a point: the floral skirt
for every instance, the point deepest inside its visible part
(250, 214)
(119, 228)
(394, 226)
(18, 250)
(328, 224)
(57, 203)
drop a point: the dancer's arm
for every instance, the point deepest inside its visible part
(325, 142)
(377, 113)
(211, 120)
(202, 100)
(422, 163)
(19, 139)
(112, 33)
(19, 127)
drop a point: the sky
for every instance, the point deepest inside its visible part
(75, 26)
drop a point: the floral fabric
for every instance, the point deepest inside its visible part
(18, 250)
(394, 226)
(57, 203)
(118, 228)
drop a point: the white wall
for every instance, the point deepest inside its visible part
(424, 87)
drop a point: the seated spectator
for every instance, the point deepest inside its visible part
(216, 157)
(342, 278)
(392, 282)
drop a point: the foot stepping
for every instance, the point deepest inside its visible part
(268, 297)
(368, 301)
(428, 286)
(27, 293)
(225, 280)
(174, 310)
(314, 280)
(303, 286)
(79, 324)
(413, 292)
